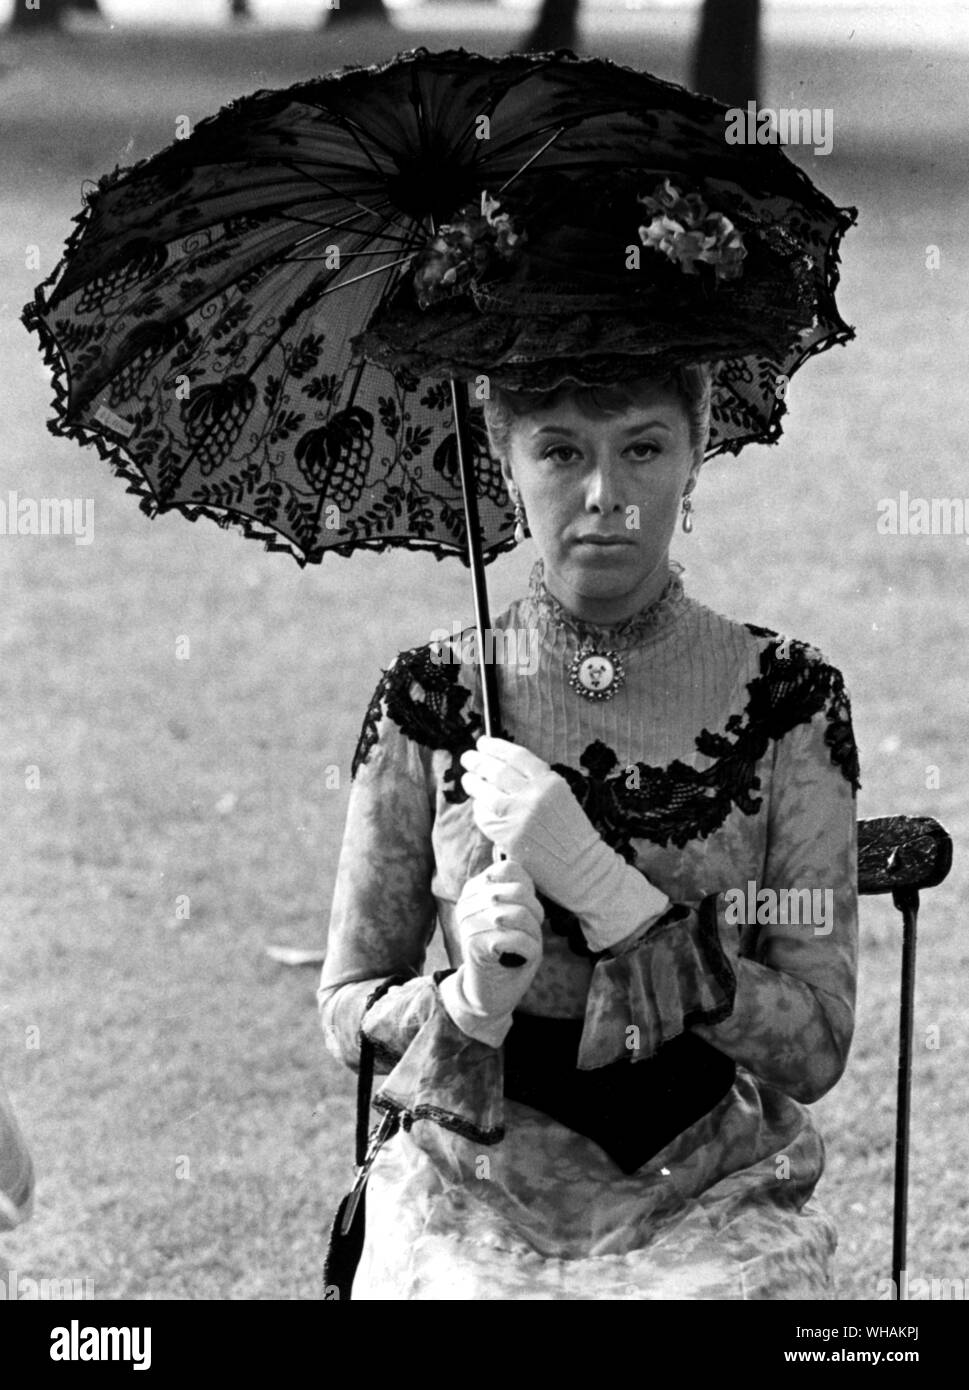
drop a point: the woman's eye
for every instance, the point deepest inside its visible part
(557, 449)
(644, 449)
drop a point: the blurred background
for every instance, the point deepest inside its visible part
(167, 819)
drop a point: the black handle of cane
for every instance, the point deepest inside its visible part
(509, 958)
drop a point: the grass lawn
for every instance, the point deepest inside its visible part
(190, 1134)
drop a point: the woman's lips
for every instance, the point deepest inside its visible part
(603, 540)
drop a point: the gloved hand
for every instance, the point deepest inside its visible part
(529, 811)
(497, 912)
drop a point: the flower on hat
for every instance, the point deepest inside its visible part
(686, 231)
(478, 240)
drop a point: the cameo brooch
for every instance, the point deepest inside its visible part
(596, 675)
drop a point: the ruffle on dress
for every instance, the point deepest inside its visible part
(444, 1075)
(679, 974)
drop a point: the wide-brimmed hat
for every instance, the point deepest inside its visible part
(593, 278)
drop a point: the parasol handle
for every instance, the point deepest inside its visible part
(509, 958)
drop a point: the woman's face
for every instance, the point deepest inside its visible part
(601, 497)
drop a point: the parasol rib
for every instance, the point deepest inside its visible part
(552, 138)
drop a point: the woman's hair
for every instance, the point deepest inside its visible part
(692, 383)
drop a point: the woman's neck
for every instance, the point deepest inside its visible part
(602, 610)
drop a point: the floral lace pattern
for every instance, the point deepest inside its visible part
(194, 341)
(839, 736)
(664, 806)
(669, 805)
(436, 718)
(676, 804)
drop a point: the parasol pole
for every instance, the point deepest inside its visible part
(479, 590)
(472, 529)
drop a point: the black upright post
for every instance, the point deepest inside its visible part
(907, 902)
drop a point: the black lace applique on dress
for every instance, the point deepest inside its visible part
(437, 718)
(670, 805)
(839, 735)
(676, 804)
(666, 806)
(369, 730)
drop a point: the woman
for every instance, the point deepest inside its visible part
(622, 1114)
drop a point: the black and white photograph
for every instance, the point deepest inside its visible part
(508, 847)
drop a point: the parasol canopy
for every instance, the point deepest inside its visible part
(287, 320)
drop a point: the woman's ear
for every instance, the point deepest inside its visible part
(509, 481)
(493, 448)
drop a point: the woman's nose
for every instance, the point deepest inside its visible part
(602, 490)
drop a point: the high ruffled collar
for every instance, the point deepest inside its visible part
(551, 617)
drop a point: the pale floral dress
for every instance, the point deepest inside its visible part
(725, 765)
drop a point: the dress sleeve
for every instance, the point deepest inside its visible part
(781, 1005)
(382, 918)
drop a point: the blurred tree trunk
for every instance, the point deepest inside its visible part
(557, 26)
(42, 17)
(726, 58)
(351, 11)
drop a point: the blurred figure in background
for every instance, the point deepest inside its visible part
(16, 1169)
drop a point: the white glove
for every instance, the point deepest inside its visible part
(497, 913)
(529, 811)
